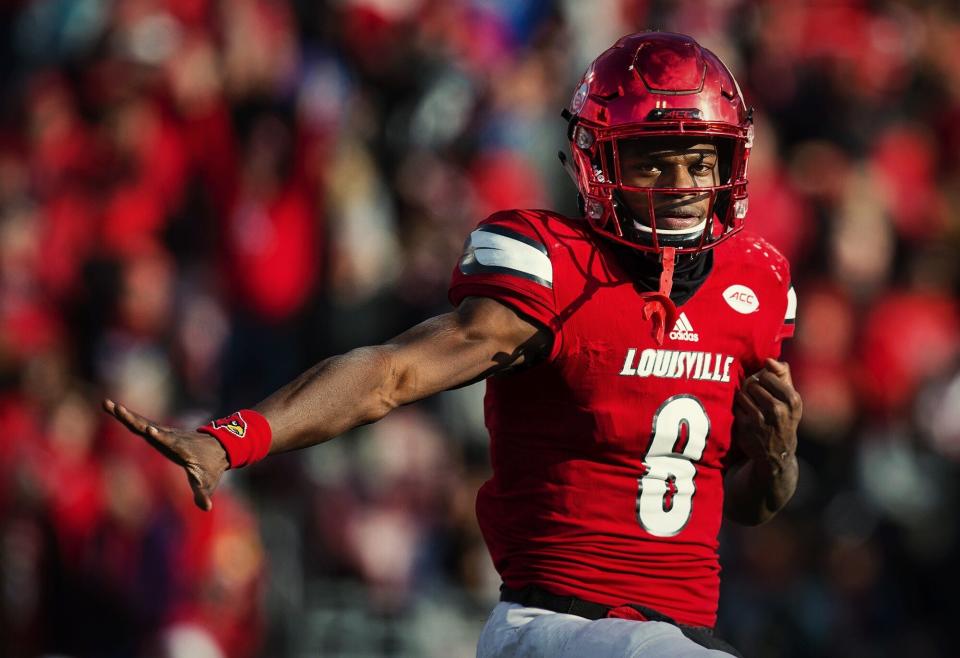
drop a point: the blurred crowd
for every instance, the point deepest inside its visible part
(200, 199)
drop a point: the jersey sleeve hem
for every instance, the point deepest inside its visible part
(518, 300)
(790, 316)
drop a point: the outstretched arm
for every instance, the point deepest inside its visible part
(481, 337)
(478, 339)
(767, 411)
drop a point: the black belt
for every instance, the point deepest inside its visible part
(535, 597)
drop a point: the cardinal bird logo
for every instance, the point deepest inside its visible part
(235, 424)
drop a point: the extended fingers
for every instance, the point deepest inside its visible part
(177, 446)
(202, 487)
(163, 439)
(133, 421)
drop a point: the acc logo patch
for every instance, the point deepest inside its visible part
(235, 424)
(741, 299)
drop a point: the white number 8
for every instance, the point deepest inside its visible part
(666, 488)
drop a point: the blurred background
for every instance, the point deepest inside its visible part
(200, 199)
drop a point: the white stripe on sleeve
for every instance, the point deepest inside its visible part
(496, 250)
(791, 314)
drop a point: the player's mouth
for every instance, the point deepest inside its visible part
(677, 220)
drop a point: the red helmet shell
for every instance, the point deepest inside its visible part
(657, 84)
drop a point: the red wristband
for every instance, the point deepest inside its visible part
(244, 434)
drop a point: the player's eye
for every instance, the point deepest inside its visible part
(645, 169)
(701, 169)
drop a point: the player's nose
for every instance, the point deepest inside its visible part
(677, 176)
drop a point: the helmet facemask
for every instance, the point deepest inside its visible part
(627, 213)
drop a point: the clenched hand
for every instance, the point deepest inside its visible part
(767, 411)
(200, 455)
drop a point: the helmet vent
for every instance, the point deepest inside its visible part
(668, 66)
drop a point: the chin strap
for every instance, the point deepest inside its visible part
(657, 305)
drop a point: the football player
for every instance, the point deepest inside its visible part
(634, 396)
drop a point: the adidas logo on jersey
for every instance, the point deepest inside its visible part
(683, 330)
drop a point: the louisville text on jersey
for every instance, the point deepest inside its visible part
(673, 364)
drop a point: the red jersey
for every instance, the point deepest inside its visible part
(608, 458)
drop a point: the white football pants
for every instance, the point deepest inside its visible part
(514, 631)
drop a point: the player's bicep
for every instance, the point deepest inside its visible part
(481, 337)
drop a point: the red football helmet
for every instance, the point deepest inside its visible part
(658, 84)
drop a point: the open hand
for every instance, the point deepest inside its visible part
(766, 412)
(200, 455)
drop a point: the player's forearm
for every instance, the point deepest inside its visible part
(334, 396)
(757, 489)
(481, 337)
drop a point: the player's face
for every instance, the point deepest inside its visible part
(669, 162)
